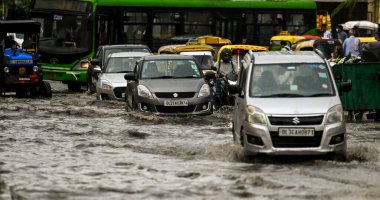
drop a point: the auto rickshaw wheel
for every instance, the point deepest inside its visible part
(45, 89)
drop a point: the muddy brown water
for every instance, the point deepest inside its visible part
(74, 147)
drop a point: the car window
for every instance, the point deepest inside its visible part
(170, 69)
(290, 79)
(121, 64)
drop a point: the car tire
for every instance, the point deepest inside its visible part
(45, 89)
(340, 156)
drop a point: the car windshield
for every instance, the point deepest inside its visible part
(108, 52)
(291, 80)
(170, 69)
(121, 64)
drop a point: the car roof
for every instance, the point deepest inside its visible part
(273, 57)
(127, 46)
(129, 54)
(168, 57)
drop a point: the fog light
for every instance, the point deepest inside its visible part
(145, 108)
(6, 69)
(204, 107)
(255, 140)
(337, 139)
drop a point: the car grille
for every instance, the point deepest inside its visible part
(119, 91)
(296, 142)
(15, 70)
(314, 120)
(170, 94)
(175, 109)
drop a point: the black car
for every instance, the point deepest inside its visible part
(169, 84)
(101, 58)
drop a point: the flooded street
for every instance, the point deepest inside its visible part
(75, 147)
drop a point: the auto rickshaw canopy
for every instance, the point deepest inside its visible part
(367, 39)
(213, 40)
(169, 49)
(243, 48)
(194, 47)
(323, 46)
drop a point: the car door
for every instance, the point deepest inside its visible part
(240, 103)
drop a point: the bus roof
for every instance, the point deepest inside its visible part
(282, 4)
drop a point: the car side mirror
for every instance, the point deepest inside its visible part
(209, 75)
(345, 87)
(94, 61)
(130, 76)
(97, 69)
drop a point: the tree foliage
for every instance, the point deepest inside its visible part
(349, 5)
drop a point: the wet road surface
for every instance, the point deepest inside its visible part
(75, 147)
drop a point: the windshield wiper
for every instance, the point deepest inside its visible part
(320, 95)
(186, 77)
(283, 95)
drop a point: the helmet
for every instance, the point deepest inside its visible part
(226, 54)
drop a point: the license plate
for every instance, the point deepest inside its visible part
(50, 76)
(176, 103)
(24, 79)
(22, 70)
(296, 132)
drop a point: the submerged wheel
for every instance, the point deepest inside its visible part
(45, 89)
(74, 87)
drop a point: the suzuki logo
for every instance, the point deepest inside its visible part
(296, 120)
(175, 95)
(53, 60)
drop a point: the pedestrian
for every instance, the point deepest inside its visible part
(284, 46)
(326, 33)
(352, 45)
(341, 35)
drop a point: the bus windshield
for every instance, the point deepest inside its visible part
(64, 34)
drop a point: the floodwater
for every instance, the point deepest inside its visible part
(75, 147)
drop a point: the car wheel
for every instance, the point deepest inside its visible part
(340, 156)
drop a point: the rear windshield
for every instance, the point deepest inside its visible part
(291, 80)
(155, 69)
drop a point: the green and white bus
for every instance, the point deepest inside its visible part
(73, 29)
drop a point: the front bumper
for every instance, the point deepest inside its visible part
(273, 144)
(79, 76)
(116, 93)
(196, 106)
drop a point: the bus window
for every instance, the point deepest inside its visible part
(164, 27)
(135, 27)
(198, 23)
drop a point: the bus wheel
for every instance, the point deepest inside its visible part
(74, 87)
(45, 89)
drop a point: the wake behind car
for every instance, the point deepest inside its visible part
(101, 57)
(169, 84)
(111, 83)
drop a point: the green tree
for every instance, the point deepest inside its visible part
(347, 4)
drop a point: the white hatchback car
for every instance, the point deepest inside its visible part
(111, 83)
(288, 104)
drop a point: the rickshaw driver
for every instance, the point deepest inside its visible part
(225, 66)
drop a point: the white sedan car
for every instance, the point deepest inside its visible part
(111, 83)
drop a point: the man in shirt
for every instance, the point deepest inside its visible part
(341, 35)
(326, 33)
(352, 45)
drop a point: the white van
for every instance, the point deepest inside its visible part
(288, 104)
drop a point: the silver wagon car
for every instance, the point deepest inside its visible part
(111, 83)
(169, 84)
(288, 103)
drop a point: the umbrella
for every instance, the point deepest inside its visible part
(360, 24)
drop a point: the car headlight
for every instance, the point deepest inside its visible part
(335, 115)
(204, 91)
(106, 85)
(143, 91)
(82, 65)
(254, 115)
(6, 70)
(36, 68)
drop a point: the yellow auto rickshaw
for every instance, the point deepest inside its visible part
(325, 47)
(275, 41)
(214, 41)
(169, 49)
(202, 52)
(239, 51)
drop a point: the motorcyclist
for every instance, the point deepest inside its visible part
(225, 67)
